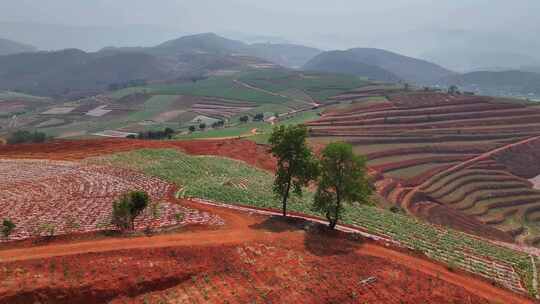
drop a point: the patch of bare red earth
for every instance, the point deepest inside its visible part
(282, 264)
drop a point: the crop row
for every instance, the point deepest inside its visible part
(426, 115)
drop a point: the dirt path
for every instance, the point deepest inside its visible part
(407, 200)
(239, 229)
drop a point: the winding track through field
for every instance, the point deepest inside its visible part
(239, 229)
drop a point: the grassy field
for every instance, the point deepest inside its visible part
(231, 181)
(5, 95)
(263, 128)
(215, 87)
(317, 85)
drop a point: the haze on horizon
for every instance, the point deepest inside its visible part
(412, 27)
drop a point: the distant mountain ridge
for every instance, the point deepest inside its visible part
(287, 55)
(9, 47)
(403, 67)
(74, 72)
(343, 62)
(497, 83)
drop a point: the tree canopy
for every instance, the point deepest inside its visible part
(296, 166)
(343, 180)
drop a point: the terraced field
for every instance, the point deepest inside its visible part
(462, 161)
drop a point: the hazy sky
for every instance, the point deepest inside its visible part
(340, 23)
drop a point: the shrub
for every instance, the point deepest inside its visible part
(7, 228)
(20, 137)
(179, 217)
(202, 126)
(166, 133)
(192, 128)
(48, 230)
(258, 117)
(127, 208)
(244, 119)
(218, 124)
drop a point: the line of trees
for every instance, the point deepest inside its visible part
(167, 133)
(340, 175)
(21, 136)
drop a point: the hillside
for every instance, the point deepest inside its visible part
(71, 71)
(459, 161)
(199, 43)
(344, 63)
(405, 68)
(467, 60)
(288, 55)
(8, 47)
(498, 83)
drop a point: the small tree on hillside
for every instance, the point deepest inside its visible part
(244, 119)
(168, 132)
(453, 90)
(202, 126)
(7, 228)
(343, 180)
(192, 128)
(129, 207)
(258, 117)
(296, 166)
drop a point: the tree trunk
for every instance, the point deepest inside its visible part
(334, 221)
(285, 197)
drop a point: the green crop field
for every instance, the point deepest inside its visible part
(223, 87)
(234, 182)
(319, 86)
(243, 129)
(5, 95)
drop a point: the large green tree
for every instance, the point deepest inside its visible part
(296, 166)
(343, 180)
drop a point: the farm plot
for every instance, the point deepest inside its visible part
(58, 111)
(220, 108)
(41, 197)
(224, 180)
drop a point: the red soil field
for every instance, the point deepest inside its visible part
(243, 150)
(74, 198)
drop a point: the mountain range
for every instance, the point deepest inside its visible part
(74, 72)
(378, 64)
(8, 47)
